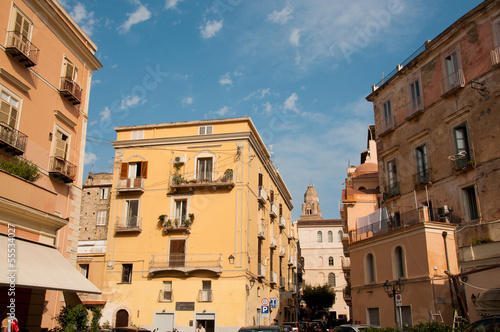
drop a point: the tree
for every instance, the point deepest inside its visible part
(318, 297)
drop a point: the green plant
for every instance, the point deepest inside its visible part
(161, 219)
(169, 223)
(228, 174)
(22, 168)
(476, 242)
(73, 318)
(96, 316)
(177, 166)
(177, 178)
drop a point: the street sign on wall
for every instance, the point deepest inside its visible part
(274, 302)
(264, 310)
(264, 301)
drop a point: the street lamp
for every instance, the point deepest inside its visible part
(391, 290)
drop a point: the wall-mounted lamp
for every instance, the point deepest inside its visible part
(474, 299)
(231, 259)
(252, 282)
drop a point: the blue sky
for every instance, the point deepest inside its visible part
(300, 69)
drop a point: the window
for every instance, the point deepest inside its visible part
(416, 102)
(320, 237)
(126, 273)
(330, 236)
(340, 235)
(387, 116)
(451, 67)
(406, 315)
(392, 178)
(204, 171)
(134, 170)
(21, 30)
(452, 71)
(9, 108)
(104, 193)
(181, 210)
(61, 145)
(166, 294)
(399, 264)
(373, 316)
(422, 164)
(137, 134)
(102, 216)
(370, 268)
(206, 291)
(84, 270)
(205, 130)
(331, 279)
(69, 71)
(131, 213)
(470, 203)
(462, 146)
(331, 261)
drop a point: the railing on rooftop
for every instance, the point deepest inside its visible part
(400, 66)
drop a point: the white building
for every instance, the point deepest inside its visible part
(322, 250)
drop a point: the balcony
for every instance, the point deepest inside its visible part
(291, 260)
(272, 243)
(282, 222)
(387, 125)
(421, 178)
(415, 107)
(205, 295)
(12, 139)
(289, 235)
(262, 230)
(347, 295)
(186, 263)
(62, 170)
(495, 56)
(21, 49)
(346, 264)
(128, 224)
(462, 165)
(262, 195)
(274, 278)
(199, 181)
(71, 91)
(273, 210)
(452, 83)
(282, 282)
(130, 185)
(182, 225)
(392, 190)
(261, 273)
(282, 251)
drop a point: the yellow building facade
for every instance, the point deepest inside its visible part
(200, 229)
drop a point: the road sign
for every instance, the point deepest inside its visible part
(399, 300)
(274, 302)
(265, 301)
(264, 310)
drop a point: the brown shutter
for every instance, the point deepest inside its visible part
(144, 169)
(124, 171)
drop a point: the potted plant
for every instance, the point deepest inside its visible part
(161, 219)
(228, 174)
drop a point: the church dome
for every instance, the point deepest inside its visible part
(311, 195)
(366, 168)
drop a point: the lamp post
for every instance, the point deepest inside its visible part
(391, 289)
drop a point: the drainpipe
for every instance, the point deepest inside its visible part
(444, 234)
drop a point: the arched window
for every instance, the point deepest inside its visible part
(330, 261)
(370, 268)
(320, 236)
(320, 261)
(340, 236)
(330, 236)
(331, 279)
(399, 262)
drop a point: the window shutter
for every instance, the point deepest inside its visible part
(4, 112)
(124, 171)
(70, 71)
(144, 169)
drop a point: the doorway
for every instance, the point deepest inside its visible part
(121, 318)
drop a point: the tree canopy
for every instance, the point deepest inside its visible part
(318, 297)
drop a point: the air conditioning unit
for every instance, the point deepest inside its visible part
(444, 213)
(179, 160)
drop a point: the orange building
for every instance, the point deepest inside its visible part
(46, 65)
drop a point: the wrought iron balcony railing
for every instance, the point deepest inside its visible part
(186, 263)
(62, 169)
(202, 180)
(130, 185)
(21, 49)
(12, 139)
(452, 82)
(128, 224)
(205, 295)
(71, 91)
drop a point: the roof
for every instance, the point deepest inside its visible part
(320, 222)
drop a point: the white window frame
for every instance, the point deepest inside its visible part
(167, 289)
(137, 134)
(330, 236)
(14, 10)
(319, 237)
(173, 205)
(101, 217)
(54, 141)
(104, 193)
(205, 130)
(126, 207)
(449, 80)
(202, 155)
(334, 283)
(11, 95)
(66, 60)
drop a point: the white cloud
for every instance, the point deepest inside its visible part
(226, 79)
(295, 37)
(140, 15)
(89, 158)
(84, 19)
(172, 4)
(282, 16)
(261, 94)
(265, 92)
(105, 114)
(223, 111)
(267, 107)
(290, 103)
(211, 28)
(130, 101)
(187, 101)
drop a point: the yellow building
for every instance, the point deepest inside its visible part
(200, 229)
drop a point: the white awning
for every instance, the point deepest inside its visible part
(39, 266)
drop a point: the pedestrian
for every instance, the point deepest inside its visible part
(5, 321)
(275, 322)
(200, 328)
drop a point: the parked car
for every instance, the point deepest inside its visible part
(486, 324)
(291, 326)
(353, 327)
(260, 328)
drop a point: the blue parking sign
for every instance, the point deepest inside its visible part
(274, 302)
(264, 309)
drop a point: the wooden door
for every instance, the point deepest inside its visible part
(177, 252)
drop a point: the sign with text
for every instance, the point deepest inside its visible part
(274, 302)
(264, 310)
(184, 306)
